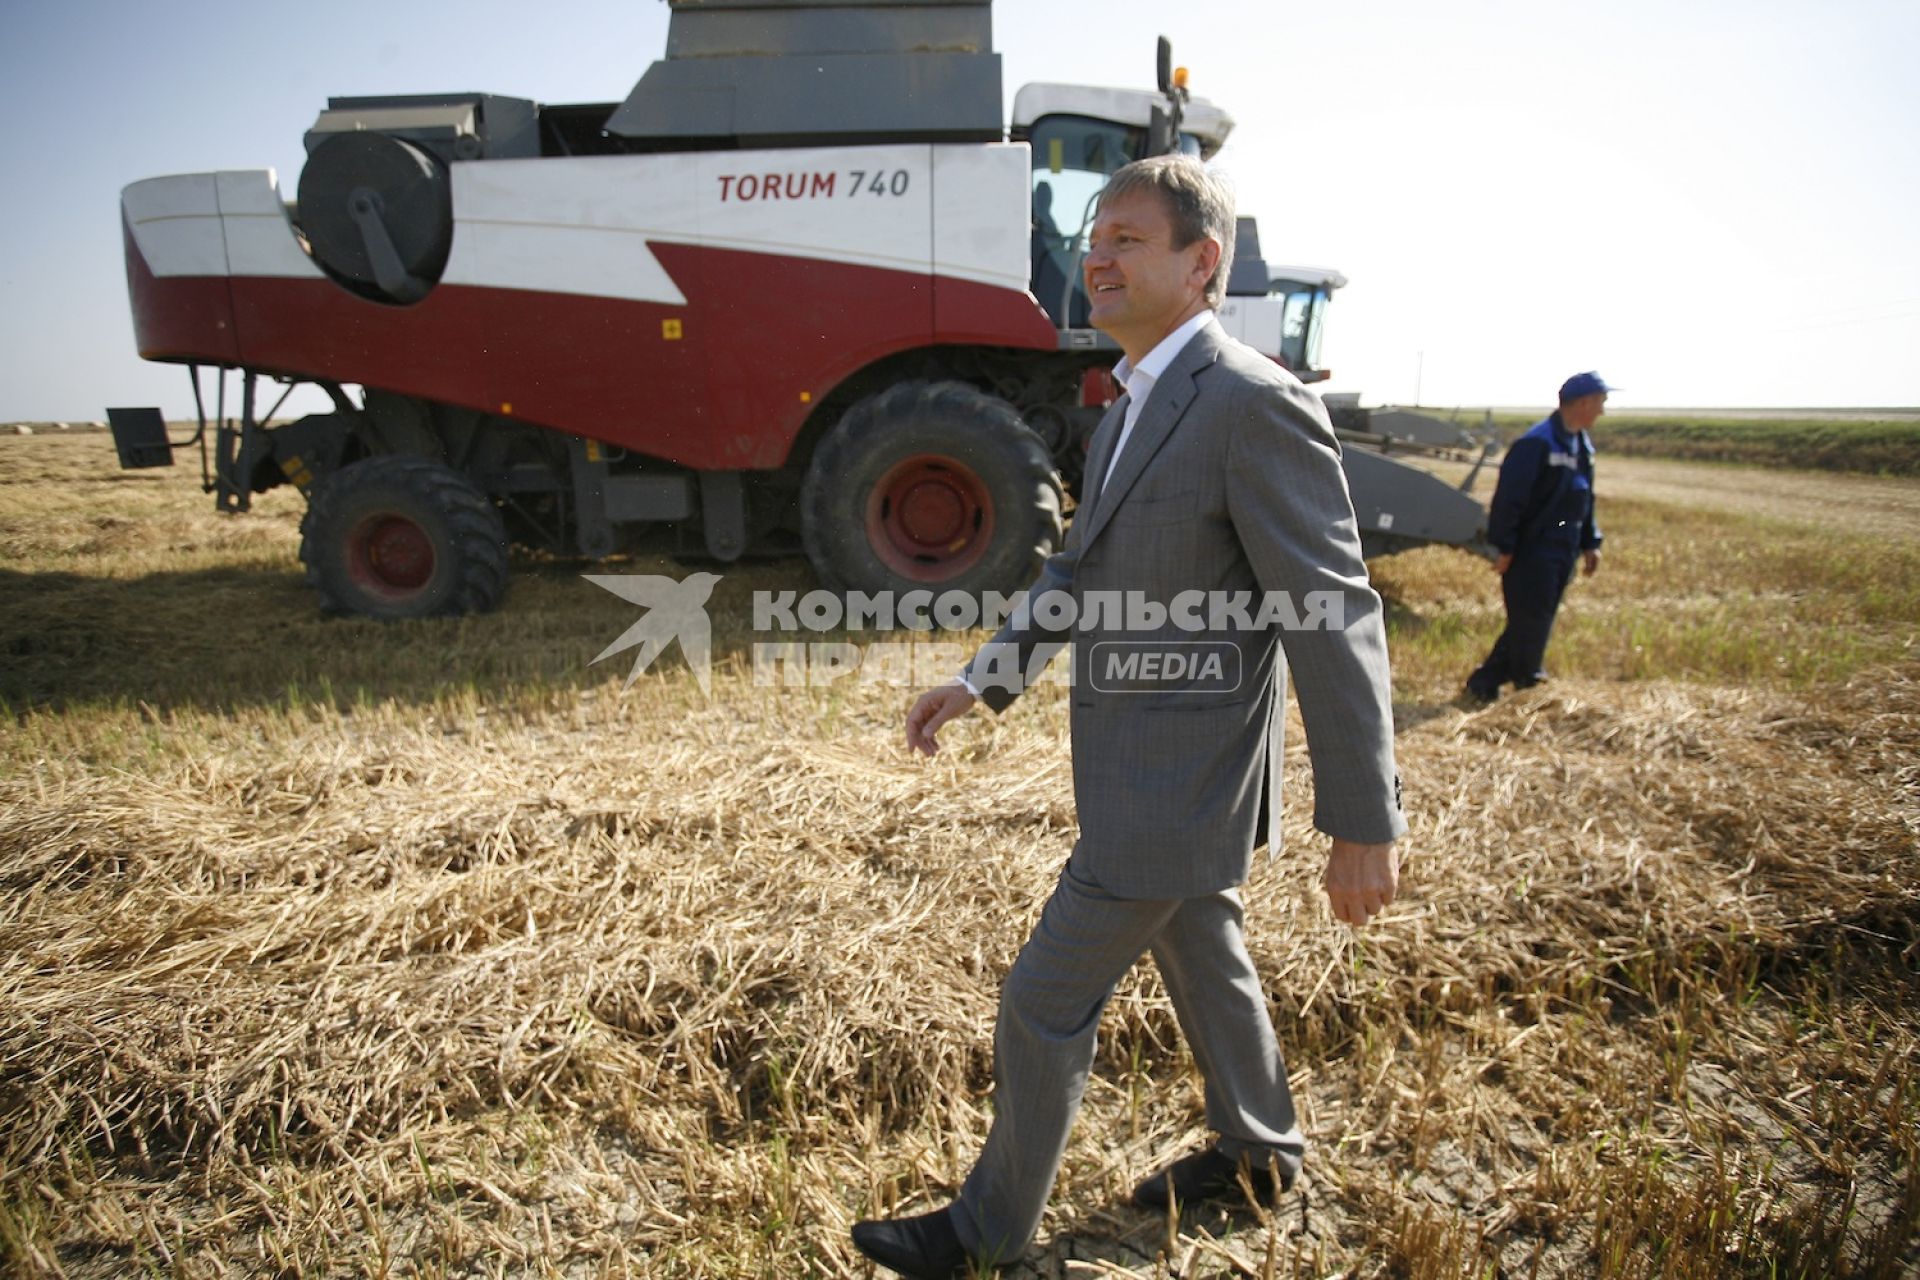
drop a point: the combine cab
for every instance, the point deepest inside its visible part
(802, 290)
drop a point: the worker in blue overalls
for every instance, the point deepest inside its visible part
(1541, 523)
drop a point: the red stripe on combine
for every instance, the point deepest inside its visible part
(760, 341)
(180, 317)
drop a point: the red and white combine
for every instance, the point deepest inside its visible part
(803, 289)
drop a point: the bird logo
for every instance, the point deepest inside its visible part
(674, 611)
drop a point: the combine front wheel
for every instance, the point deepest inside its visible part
(933, 485)
(394, 536)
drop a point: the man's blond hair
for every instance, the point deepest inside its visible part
(1199, 205)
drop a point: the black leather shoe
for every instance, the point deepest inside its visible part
(1207, 1175)
(922, 1248)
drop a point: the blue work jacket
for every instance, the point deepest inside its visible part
(1544, 501)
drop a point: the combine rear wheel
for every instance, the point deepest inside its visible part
(394, 536)
(932, 485)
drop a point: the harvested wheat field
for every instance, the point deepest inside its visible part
(335, 949)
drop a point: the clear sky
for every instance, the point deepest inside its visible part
(1713, 203)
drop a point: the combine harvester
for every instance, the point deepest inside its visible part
(803, 290)
(1399, 506)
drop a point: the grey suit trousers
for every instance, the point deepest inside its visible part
(1044, 1044)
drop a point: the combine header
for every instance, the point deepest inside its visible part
(803, 290)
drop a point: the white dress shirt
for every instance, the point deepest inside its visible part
(1139, 380)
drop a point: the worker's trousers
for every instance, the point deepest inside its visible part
(1531, 588)
(1050, 1008)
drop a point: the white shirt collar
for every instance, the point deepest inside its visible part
(1155, 362)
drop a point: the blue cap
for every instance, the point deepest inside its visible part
(1584, 384)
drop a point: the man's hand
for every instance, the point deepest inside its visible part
(1502, 563)
(1361, 879)
(936, 706)
(1591, 561)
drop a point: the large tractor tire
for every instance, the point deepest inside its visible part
(934, 486)
(394, 536)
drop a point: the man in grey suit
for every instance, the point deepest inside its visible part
(1218, 537)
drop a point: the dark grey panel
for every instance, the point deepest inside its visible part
(1392, 497)
(828, 98)
(648, 497)
(1247, 276)
(708, 32)
(140, 437)
(455, 126)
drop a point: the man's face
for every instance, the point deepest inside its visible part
(1140, 286)
(1581, 414)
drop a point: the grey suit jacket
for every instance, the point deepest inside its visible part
(1230, 483)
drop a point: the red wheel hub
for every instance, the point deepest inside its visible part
(930, 518)
(390, 555)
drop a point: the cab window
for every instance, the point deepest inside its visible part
(1073, 156)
